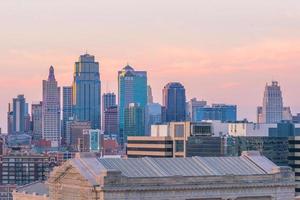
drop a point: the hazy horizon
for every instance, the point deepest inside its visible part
(221, 51)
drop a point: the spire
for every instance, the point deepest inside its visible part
(51, 73)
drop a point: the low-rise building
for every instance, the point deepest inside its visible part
(250, 176)
(32, 191)
(149, 146)
(24, 168)
(6, 192)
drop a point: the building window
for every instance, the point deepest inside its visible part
(179, 146)
(179, 130)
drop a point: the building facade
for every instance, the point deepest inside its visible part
(19, 113)
(149, 95)
(75, 131)
(111, 121)
(153, 115)
(51, 126)
(220, 112)
(191, 108)
(174, 101)
(250, 176)
(10, 119)
(21, 168)
(132, 86)
(37, 119)
(108, 101)
(134, 121)
(272, 104)
(87, 91)
(67, 110)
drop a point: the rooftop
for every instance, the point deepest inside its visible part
(247, 164)
(37, 188)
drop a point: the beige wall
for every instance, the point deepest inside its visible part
(23, 196)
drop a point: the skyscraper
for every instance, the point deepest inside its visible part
(108, 100)
(19, 111)
(132, 89)
(153, 115)
(27, 120)
(259, 114)
(174, 101)
(87, 91)
(51, 129)
(134, 120)
(191, 107)
(272, 104)
(10, 119)
(149, 94)
(287, 114)
(110, 121)
(67, 109)
(36, 114)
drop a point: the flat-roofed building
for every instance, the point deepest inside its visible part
(6, 191)
(250, 129)
(179, 139)
(250, 176)
(150, 146)
(24, 168)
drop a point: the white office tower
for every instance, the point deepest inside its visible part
(272, 104)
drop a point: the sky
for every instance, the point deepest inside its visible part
(221, 51)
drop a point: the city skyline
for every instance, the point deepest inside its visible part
(228, 60)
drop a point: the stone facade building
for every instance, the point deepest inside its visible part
(33, 191)
(250, 176)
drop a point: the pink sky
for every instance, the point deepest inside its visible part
(221, 51)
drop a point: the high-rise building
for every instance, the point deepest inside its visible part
(174, 100)
(221, 112)
(87, 91)
(134, 121)
(76, 130)
(108, 100)
(149, 94)
(110, 121)
(132, 89)
(10, 119)
(191, 107)
(51, 129)
(19, 110)
(67, 109)
(36, 114)
(259, 114)
(272, 104)
(287, 114)
(153, 115)
(27, 120)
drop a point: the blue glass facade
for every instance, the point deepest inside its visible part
(174, 101)
(134, 121)
(87, 91)
(132, 87)
(94, 140)
(19, 111)
(220, 112)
